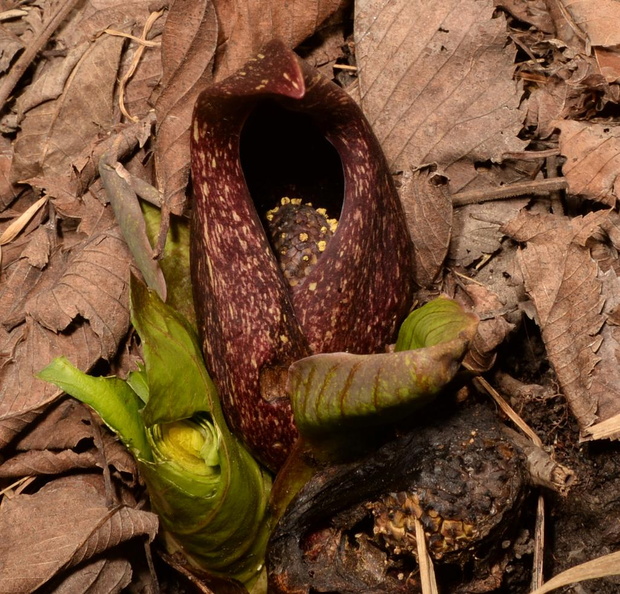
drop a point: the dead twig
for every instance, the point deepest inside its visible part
(32, 49)
(143, 44)
(539, 544)
(541, 187)
(427, 571)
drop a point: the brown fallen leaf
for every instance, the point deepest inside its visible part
(77, 308)
(54, 132)
(54, 543)
(64, 425)
(534, 12)
(608, 61)
(596, 21)
(8, 190)
(106, 575)
(146, 78)
(568, 290)
(592, 164)
(50, 84)
(476, 229)
(93, 286)
(436, 83)
(247, 25)
(428, 208)
(38, 462)
(189, 41)
(64, 438)
(11, 44)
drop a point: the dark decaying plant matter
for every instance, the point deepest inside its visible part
(278, 129)
(351, 528)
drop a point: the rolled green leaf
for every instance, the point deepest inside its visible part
(340, 391)
(174, 261)
(440, 320)
(210, 494)
(115, 402)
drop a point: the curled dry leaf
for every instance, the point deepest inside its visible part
(568, 290)
(436, 83)
(77, 308)
(492, 329)
(592, 154)
(36, 462)
(94, 287)
(52, 543)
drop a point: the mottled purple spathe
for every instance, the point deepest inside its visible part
(252, 324)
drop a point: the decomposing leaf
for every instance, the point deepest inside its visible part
(566, 286)
(36, 462)
(53, 133)
(107, 575)
(592, 154)
(476, 229)
(428, 208)
(596, 20)
(188, 47)
(247, 25)
(436, 83)
(77, 308)
(52, 543)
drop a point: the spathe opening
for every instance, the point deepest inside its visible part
(284, 154)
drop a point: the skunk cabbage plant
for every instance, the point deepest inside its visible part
(210, 494)
(299, 243)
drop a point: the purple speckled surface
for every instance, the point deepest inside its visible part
(252, 324)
